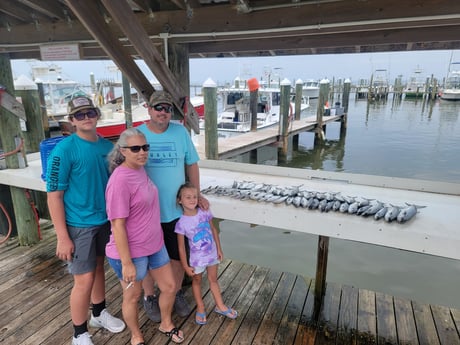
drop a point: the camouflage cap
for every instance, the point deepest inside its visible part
(159, 97)
(79, 103)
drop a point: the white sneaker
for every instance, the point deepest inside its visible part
(82, 339)
(107, 321)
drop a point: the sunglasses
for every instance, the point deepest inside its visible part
(161, 107)
(137, 148)
(91, 114)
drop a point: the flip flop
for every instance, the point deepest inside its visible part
(230, 312)
(173, 334)
(200, 318)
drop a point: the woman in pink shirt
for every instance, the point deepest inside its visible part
(136, 246)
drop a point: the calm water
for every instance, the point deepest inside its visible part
(411, 139)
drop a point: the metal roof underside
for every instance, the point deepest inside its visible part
(229, 28)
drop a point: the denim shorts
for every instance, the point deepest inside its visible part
(201, 269)
(89, 243)
(143, 264)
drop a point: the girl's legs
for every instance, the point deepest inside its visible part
(130, 310)
(214, 286)
(196, 288)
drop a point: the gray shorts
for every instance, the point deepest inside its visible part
(89, 243)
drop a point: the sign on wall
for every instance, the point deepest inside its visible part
(51, 52)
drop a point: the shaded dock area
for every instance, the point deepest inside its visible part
(242, 143)
(274, 308)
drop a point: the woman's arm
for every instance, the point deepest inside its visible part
(121, 241)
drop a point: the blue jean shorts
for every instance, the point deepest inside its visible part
(143, 264)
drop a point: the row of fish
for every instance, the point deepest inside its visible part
(322, 201)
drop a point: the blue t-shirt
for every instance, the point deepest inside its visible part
(80, 169)
(169, 153)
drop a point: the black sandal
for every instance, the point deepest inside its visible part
(173, 335)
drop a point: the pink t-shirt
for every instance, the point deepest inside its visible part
(130, 194)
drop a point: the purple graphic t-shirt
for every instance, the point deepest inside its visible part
(196, 228)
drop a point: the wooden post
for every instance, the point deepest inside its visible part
(28, 91)
(210, 123)
(322, 101)
(10, 131)
(41, 97)
(321, 273)
(298, 97)
(346, 94)
(284, 152)
(127, 101)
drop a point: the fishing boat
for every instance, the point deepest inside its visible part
(380, 86)
(451, 90)
(57, 90)
(310, 89)
(415, 87)
(235, 114)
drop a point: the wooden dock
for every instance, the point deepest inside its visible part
(242, 143)
(274, 308)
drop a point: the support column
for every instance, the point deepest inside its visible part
(10, 132)
(210, 123)
(285, 151)
(127, 101)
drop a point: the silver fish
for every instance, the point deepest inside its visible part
(314, 204)
(392, 213)
(322, 205)
(296, 201)
(336, 205)
(362, 210)
(353, 208)
(407, 213)
(279, 200)
(381, 213)
(373, 209)
(344, 207)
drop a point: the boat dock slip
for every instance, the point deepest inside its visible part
(273, 308)
(242, 143)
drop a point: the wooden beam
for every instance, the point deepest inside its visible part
(122, 13)
(88, 14)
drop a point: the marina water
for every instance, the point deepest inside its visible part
(401, 138)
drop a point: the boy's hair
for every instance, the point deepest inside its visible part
(182, 187)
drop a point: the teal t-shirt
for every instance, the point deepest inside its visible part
(169, 153)
(80, 169)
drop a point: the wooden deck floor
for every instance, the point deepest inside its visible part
(274, 308)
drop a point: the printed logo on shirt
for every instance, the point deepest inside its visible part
(53, 176)
(163, 155)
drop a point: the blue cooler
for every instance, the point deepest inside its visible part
(46, 146)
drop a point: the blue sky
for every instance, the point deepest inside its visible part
(221, 70)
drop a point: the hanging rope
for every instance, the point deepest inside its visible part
(10, 225)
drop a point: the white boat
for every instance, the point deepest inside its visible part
(415, 87)
(57, 91)
(451, 90)
(380, 86)
(310, 89)
(235, 116)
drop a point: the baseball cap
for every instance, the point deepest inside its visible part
(79, 103)
(160, 97)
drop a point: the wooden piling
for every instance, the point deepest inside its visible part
(210, 115)
(285, 114)
(322, 100)
(127, 101)
(321, 273)
(298, 98)
(45, 122)
(10, 132)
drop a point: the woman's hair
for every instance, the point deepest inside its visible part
(186, 185)
(115, 157)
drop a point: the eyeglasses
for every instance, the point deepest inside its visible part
(91, 114)
(137, 148)
(161, 107)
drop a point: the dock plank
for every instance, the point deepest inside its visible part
(274, 308)
(386, 322)
(367, 328)
(426, 327)
(407, 332)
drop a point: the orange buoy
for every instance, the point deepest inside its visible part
(253, 84)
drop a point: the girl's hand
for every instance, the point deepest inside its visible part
(129, 272)
(220, 255)
(189, 271)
